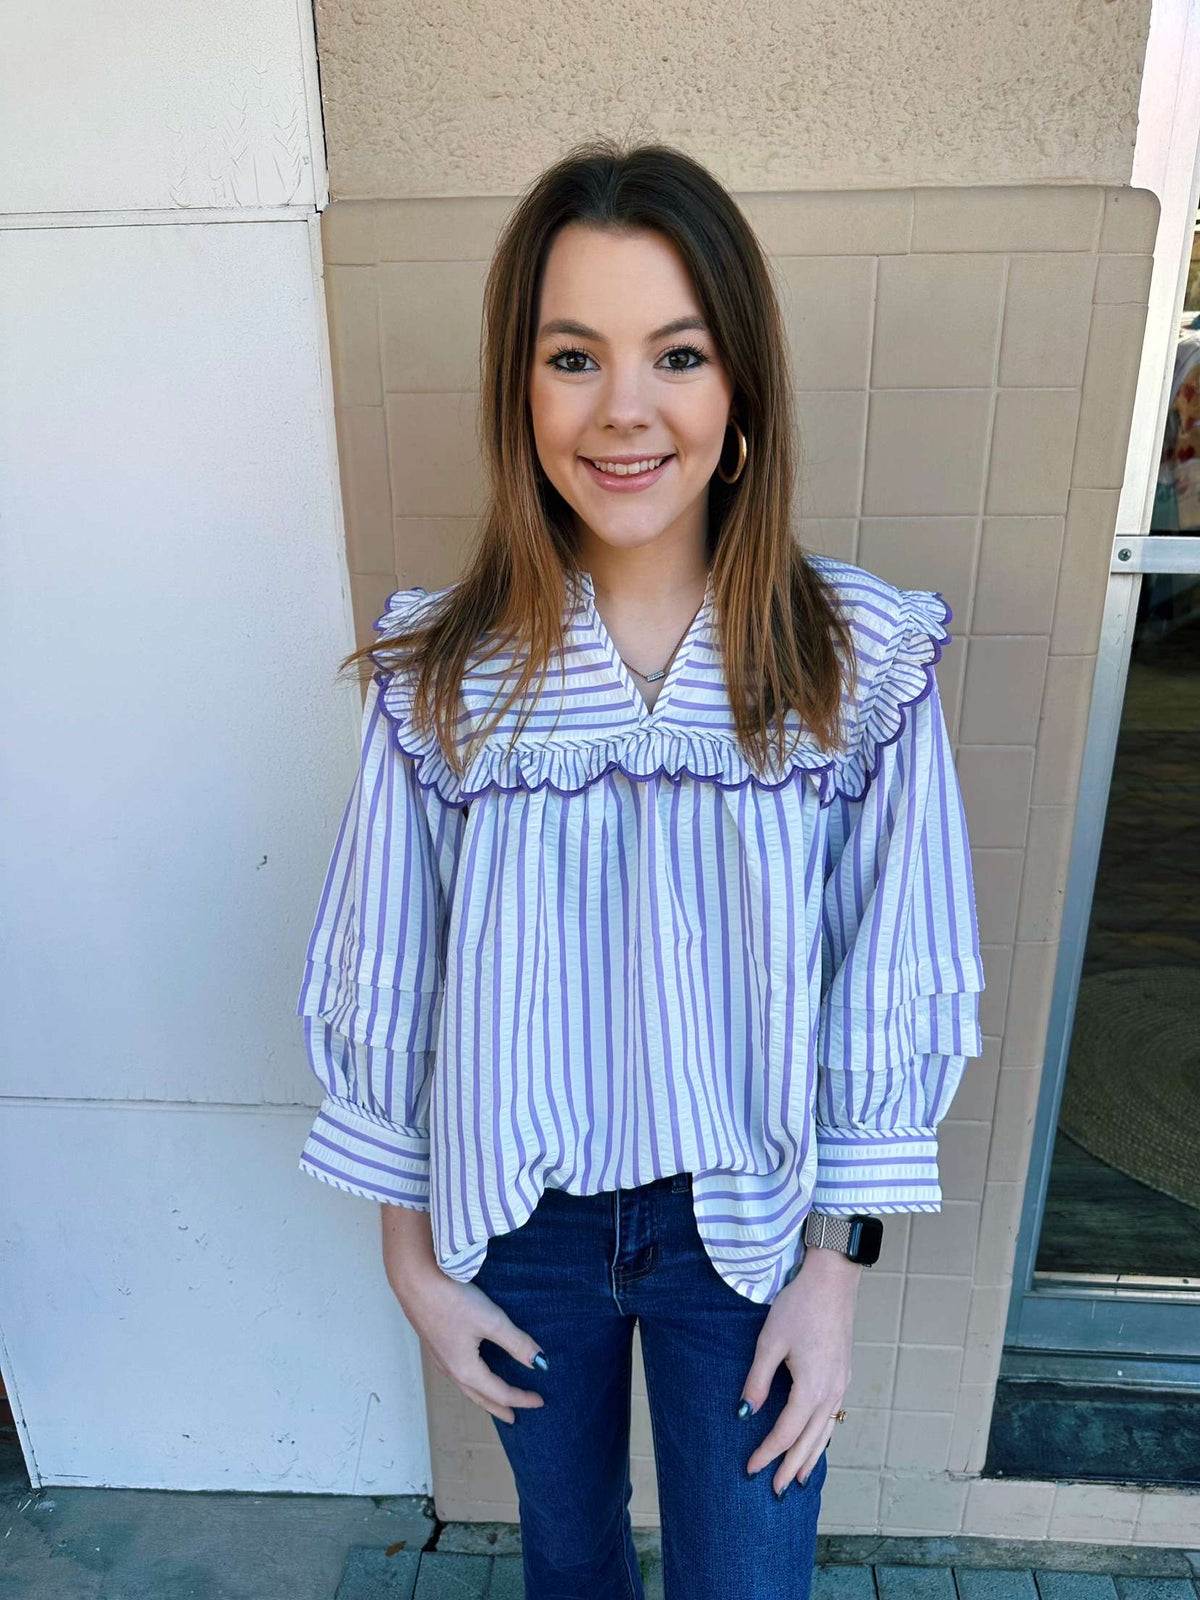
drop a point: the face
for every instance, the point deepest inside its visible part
(623, 367)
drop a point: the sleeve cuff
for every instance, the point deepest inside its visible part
(876, 1170)
(365, 1155)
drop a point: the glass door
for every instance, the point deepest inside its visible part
(1100, 1375)
(1122, 1204)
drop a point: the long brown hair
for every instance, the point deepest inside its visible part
(779, 627)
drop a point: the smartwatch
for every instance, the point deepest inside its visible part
(859, 1237)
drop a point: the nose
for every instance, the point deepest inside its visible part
(624, 401)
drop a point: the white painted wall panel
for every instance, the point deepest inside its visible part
(187, 1311)
(173, 603)
(145, 105)
(173, 611)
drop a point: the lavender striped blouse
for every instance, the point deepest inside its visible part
(614, 951)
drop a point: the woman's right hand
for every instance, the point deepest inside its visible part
(452, 1318)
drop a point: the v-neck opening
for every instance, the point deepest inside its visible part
(644, 711)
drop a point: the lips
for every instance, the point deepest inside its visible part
(629, 482)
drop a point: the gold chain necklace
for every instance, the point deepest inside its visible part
(653, 677)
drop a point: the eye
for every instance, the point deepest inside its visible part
(700, 358)
(566, 350)
(689, 350)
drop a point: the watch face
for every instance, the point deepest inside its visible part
(866, 1240)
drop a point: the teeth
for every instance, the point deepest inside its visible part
(629, 469)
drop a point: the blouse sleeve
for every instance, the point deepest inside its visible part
(373, 976)
(901, 978)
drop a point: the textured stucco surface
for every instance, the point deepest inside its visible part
(473, 97)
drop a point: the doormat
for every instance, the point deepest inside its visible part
(1132, 1091)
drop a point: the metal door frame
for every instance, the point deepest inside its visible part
(1105, 1324)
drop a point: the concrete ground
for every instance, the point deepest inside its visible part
(143, 1544)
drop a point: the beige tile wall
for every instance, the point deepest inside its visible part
(965, 364)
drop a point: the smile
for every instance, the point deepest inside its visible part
(628, 476)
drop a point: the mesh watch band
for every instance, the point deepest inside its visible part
(827, 1232)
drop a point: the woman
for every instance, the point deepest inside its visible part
(648, 946)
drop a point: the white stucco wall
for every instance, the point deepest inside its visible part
(433, 97)
(142, 105)
(179, 1306)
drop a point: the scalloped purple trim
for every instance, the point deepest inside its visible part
(939, 646)
(378, 624)
(823, 772)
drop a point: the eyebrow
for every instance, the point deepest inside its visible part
(582, 331)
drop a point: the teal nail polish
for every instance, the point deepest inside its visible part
(779, 1493)
(804, 1481)
(541, 1363)
(745, 1410)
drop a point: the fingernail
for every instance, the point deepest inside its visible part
(779, 1493)
(541, 1363)
(803, 1481)
(745, 1410)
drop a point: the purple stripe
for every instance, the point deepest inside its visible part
(583, 975)
(419, 1178)
(730, 1148)
(669, 973)
(385, 1191)
(497, 913)
(857, 1163)
(882, 1183)
(607, 1166)
(690, 1010)
(561, 1046)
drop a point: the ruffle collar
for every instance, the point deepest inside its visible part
(899, 635)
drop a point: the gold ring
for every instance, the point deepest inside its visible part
(840, 1414)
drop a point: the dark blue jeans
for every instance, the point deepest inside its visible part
(577, 1276)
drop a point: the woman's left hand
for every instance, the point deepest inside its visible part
(810, 1326)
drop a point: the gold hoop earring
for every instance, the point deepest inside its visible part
(741, 456)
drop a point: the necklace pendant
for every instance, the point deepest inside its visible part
(653, 677)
